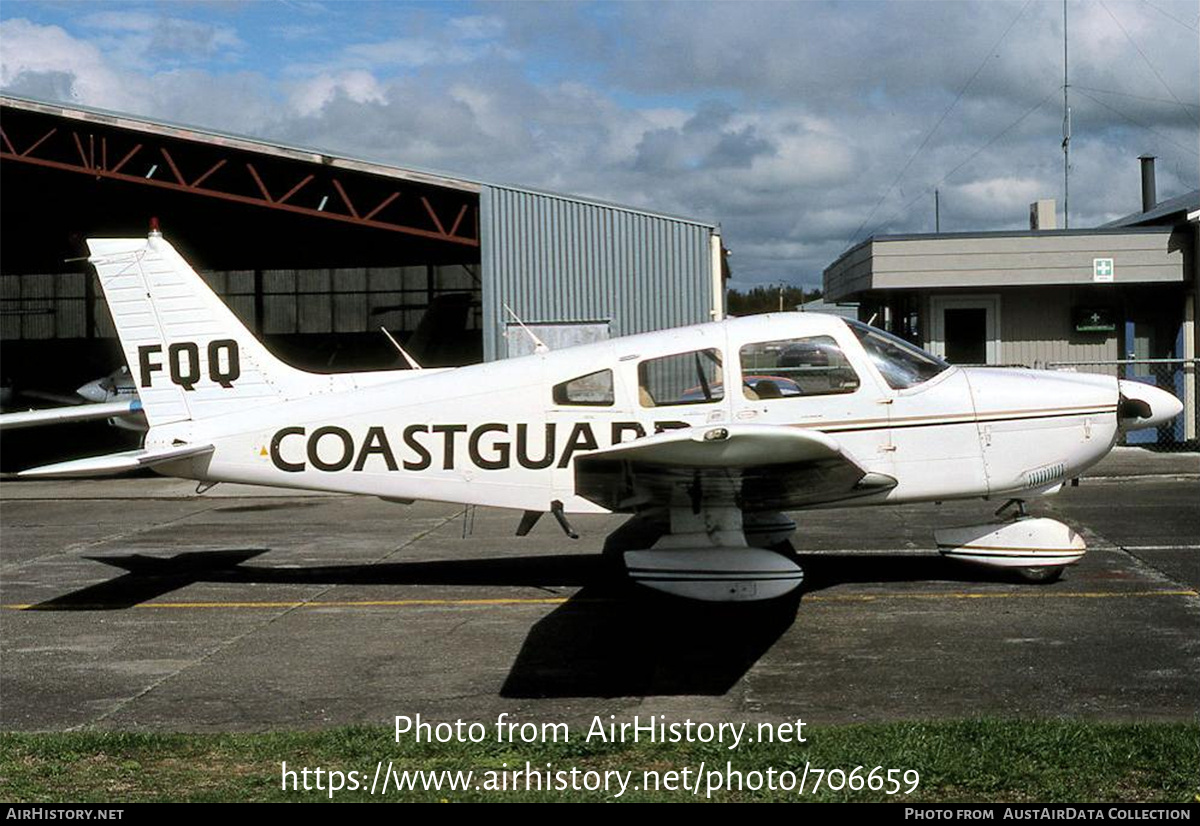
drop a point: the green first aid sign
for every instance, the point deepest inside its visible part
(1102, 269)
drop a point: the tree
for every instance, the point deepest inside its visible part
(766, 299)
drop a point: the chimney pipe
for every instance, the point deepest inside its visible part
(1149, 197)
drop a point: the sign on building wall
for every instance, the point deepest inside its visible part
(1103, 270)
(1094, 320)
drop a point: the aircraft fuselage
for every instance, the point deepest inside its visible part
(507, 434)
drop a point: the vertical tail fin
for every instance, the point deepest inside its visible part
(191, 358)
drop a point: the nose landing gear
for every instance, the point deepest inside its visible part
(1036, 549)
(1020, 506)
(1043, 575)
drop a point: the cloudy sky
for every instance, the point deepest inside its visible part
(801, 127)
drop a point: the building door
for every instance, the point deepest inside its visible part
(1147, 339)
(965, 329)
(555, 335)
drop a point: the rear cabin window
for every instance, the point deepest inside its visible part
(687, 378)
(791, 368)
(594, 389)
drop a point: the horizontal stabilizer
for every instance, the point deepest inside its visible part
(115, 463)
(65, 415)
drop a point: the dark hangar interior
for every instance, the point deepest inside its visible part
(314, 253)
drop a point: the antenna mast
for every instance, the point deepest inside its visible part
(1066, 144)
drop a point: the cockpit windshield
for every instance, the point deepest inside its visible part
(902, 364)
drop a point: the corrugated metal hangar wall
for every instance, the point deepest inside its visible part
(557, 260)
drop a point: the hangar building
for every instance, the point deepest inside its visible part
(316, 252)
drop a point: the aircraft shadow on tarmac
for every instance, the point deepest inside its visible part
(610, 639)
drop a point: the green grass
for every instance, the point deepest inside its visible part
(970, 761)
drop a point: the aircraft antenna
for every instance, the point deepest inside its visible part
(1066, 143)
(538, 345)
(412, 362)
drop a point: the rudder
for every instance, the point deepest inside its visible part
(190, 356)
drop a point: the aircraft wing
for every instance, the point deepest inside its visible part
(73, 413)
(752, 467)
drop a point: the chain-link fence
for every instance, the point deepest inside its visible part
(1176, 376)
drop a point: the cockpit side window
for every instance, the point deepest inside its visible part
(901, 364)
(791, 368)
(593, 390)
(686, 378)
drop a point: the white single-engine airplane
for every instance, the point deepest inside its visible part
(715, 429)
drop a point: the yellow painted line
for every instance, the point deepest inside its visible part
(416, 603)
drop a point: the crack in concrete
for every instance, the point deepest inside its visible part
(83, 546)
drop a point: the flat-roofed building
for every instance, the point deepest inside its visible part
(1087, 299)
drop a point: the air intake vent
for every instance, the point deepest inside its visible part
(1042, 477)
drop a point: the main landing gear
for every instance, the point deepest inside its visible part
(718, 555)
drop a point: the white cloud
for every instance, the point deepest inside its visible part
(29, 50)
(128, 21)
(456, 42)
(310, 95)
(145, 40)
(406, 52)
(1006, 194)
(476, 27)
(787, 123)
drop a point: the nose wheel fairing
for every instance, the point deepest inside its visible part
(1032, 542)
